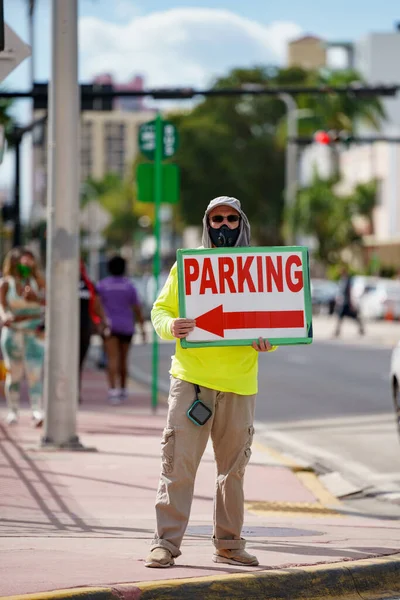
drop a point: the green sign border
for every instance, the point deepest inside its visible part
(265, 250)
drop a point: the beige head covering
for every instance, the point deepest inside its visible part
(244, 226)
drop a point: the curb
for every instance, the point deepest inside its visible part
(375, 578)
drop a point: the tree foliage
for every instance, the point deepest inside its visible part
(235, 145)
(330, 217)
(116, 196)
(365, 196)
(228, 147)
(322, 213)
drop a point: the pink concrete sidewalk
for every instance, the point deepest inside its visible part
(80, 519)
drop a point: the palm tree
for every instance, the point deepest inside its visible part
(320, 212)
(116, 196)
(365, 197)
(339, 113)
(342, 112)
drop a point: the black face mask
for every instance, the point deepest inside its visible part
(224, 237)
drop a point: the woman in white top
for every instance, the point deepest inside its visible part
(21, 313)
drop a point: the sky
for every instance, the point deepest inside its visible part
(184, 42)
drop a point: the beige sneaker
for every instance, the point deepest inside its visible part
(37, 418)
(12, 417)
(159, 558)
(235, 557)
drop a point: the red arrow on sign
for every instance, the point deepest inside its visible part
(216, 320)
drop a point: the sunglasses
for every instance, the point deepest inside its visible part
(221, 218)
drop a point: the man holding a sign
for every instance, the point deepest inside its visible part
(222, 303)
(213, 391)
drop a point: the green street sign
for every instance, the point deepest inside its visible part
(147, 139)
(145, 177)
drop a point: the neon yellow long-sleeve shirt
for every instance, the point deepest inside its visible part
(222, 368)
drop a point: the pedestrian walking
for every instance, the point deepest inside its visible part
(121, 304)
(346, 305)
(224, 379)
(22, 297)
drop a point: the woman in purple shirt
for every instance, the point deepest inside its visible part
(121, 304)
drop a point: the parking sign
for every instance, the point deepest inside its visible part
(240, 294)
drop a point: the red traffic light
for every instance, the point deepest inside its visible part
(322, 137)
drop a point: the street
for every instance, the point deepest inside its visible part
(328, 404)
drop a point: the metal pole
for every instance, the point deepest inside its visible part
(157, 235)
(2, 40)
(291, 161)
(17, 188)
(31, 11)
(33, 149)
(62, 311)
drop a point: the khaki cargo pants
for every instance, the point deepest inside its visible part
(183, 445)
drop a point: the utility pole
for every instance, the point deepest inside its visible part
(16, 136)
(62, 310)
(291, 161)
(31, 24)
(2, 40)
(17, 140)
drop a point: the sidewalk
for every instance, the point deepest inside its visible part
(85, 520)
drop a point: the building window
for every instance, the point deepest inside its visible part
(86, 149)
(114, 146)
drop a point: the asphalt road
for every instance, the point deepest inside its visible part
(323, 380)
(319, 381)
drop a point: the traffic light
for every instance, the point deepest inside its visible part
(334, 137)
(323, 137)
(347, 138)
(89, 100)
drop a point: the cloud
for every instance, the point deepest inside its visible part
(124, 9)
(181, 46)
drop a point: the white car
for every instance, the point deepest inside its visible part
(381, 300)
(395, 382)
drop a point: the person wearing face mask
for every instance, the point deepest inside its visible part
(225, 380)
(21, 312)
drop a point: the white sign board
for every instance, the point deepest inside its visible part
(94, 217)
(15, 51)
(237, 295)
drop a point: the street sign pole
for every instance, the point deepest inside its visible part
(157, 235)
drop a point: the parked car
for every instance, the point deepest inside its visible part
(381, 300)
(362, 285)
(395, 383)
(323, 295)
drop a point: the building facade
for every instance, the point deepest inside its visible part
(108, 144)
(375, 60)
(307, 52)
